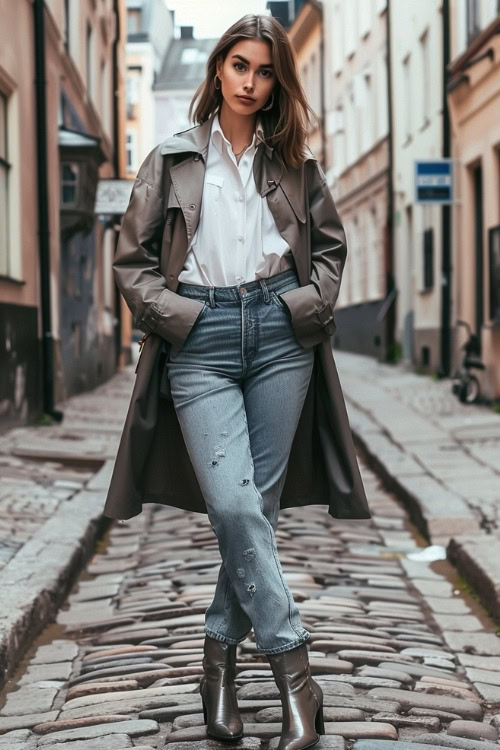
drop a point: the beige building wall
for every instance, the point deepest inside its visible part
(79, 89)
(18, 272)
(474, 102)
(305, 36)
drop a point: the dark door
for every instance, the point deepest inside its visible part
(478, 244)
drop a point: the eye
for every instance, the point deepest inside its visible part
(267, 72)
(238, 63)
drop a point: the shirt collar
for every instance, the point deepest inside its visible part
(218, 137)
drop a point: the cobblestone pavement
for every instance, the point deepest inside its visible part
(442, 458)
(52, 479)
(42, 467)
(400, 655)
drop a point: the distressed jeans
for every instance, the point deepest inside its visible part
(238, 385)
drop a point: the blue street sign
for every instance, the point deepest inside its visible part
(434, 181)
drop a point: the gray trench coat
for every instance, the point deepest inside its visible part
(152, 464)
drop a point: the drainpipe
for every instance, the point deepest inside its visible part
(116, 164)
(322, 84)
(43, 214)
(389, 247)
(446, 210)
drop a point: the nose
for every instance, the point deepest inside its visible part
(248, 85)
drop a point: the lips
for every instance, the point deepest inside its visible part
(245, 98)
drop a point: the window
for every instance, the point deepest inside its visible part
(190, 55)
(133, 21)
(367, 111)
(131, 147)
(473, 19)
(381, 95)
(70, 180)
(66, 25)
(428, 258)
(4, 189)
(426, 76)
(408, 95)
(350, 27)
(338, 39)
(106, 96)
(365, 10)
(91, 59)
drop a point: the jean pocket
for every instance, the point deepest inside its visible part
(277, 300)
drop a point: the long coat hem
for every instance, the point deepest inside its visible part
(162, 499)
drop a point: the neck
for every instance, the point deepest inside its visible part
(238, 129)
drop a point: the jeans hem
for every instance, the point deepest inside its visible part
(224, 638)
(287, 647)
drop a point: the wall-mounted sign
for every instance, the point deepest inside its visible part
(113, 196)
(434, 181)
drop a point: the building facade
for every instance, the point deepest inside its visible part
(150, 29)
(417, 115)
(357, 160)
(58, 133)
(307, 37)
(473, 94)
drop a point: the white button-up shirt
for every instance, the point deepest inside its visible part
(236, 239)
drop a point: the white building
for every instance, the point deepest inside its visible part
(150, 28)
(358, 165)
(417, 115)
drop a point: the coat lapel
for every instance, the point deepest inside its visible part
(283, 189)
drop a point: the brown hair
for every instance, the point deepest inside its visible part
(285, 124)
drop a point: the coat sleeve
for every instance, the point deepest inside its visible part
(311, 306)
(136, 265)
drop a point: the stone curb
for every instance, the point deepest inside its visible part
(436, 511)
(478, 560)
(442, 516)
(37, 580)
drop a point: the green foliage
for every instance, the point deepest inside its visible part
(45, 421)
(394, 352)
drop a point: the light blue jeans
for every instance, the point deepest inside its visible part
(238, 385)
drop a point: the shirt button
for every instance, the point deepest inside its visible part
(240, 238)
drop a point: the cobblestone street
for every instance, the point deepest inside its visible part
(401, 652)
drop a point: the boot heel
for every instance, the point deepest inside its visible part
(319, 723)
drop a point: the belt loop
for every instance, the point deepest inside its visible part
(211, 296)
(265, 290)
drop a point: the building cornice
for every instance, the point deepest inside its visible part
(457, 67)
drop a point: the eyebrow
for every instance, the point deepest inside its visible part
(266, 65)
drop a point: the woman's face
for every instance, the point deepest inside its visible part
(248, 72)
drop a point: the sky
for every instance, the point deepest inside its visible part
(209, 19)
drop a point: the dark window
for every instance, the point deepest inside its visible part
(70, 173)
(494, 252)
(428, 258)
(4, 188)
(66, 25)
(473, 19)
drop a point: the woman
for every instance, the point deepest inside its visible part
(228, 294)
